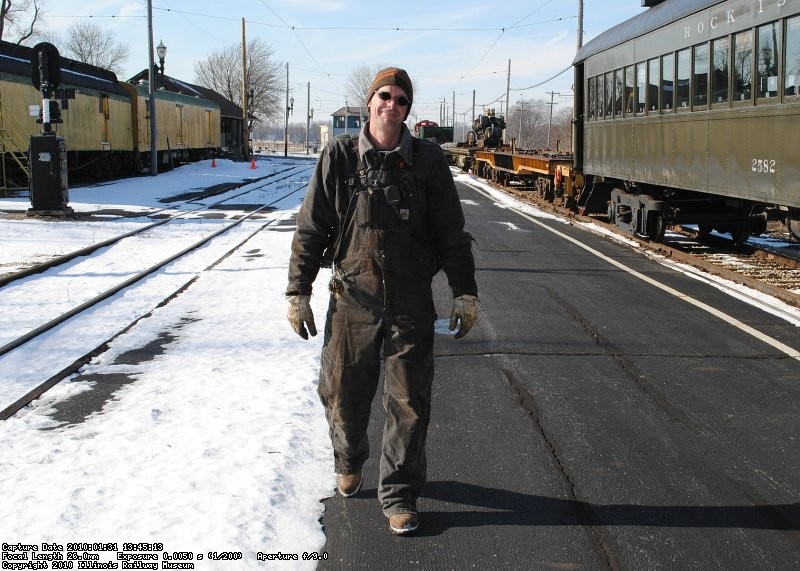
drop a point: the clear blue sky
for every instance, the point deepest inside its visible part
(446, 46)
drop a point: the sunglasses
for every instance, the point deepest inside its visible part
(401, 100)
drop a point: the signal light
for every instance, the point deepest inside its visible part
(55, 113)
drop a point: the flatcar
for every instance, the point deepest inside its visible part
(689, 113)
(106, 125)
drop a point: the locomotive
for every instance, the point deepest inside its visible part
(684, 114)
(105, 122)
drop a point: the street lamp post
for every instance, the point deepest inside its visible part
(289, 110)
(151, 92)
(248, 130)
(308, 126)
(161, 50)
(309, 112)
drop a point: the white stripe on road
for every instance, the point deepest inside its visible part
(791, 352)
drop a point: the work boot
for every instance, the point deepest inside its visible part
(403, 523)
(349, 484)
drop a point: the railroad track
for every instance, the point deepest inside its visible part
(770, 268)
(162, 216)
(124, 300)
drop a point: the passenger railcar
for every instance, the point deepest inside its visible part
(689, 113)
(106, 125)
(188, 127)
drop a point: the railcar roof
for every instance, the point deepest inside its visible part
(654, 18)
(143, 91)
(15, 61)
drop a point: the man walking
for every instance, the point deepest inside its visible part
(385, 211)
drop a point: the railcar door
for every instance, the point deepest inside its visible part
(578, 118)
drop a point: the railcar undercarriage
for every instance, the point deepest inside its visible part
(647, 212)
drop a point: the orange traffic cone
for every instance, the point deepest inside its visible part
(213, 163)
(253, 164)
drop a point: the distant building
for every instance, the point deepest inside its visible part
(349, 120)
(324, 135)
(231, 136)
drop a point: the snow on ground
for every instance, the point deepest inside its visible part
(220, 444)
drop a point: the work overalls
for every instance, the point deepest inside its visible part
(381, 299)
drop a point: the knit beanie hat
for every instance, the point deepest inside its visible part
(393, 76)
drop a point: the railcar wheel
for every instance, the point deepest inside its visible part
(792, 222)
(659, 228)
(794, 228)
(544, 189)
(739, 235)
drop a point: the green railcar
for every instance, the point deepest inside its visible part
(687, 114)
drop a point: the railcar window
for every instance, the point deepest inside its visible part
(684, 78)
(641, 88)
(652, 84)
(743, 66)
(599, 97)
(618, 92)
(630, 83)
(721, 54)
(769, 49)
(791, 86)
(667, 81)
(591, 97)
(608, 94)
(700, 76)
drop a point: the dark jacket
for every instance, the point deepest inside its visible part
(436, 221)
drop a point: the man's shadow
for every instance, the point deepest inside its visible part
(502, 507)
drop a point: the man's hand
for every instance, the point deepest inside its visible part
(465, 310)
(300, 315)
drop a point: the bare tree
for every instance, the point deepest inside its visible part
(358, 83)
(18, 19)
(87, 42)
(527, 123)
(561, 132)
(222, 72)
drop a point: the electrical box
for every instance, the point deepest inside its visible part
(48, 164)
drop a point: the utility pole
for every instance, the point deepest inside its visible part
(308, 112)
(151, 91)
(550, 124)
(473, 109)
(578, 92)
(286, 115)
(508, 95)
(454, 110)
(245, 122)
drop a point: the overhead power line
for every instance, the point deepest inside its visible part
(566, 69)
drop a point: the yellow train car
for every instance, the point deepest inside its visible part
(95, 110)
(105, 122)
(188, 128)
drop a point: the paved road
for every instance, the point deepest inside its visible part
(594, 420)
